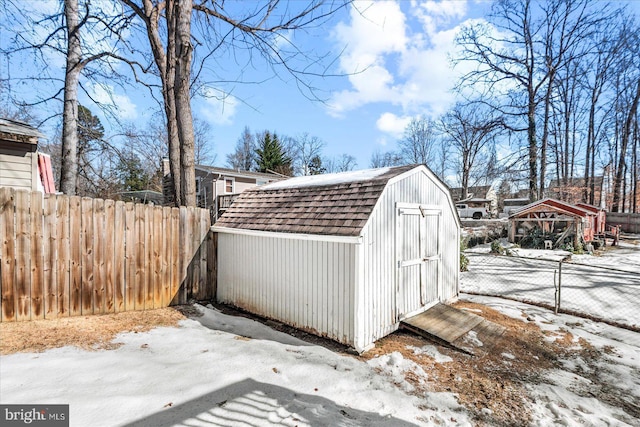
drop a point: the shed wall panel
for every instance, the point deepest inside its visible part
(377, 290)
(307, 284)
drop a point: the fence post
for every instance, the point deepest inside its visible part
(559, 285)
(555, 285)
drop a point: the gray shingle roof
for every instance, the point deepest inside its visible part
(14, 127)
(340, 208)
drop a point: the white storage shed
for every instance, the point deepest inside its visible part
(346, 256)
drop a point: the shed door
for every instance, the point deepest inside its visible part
(418, 258)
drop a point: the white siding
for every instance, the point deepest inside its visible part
(17, 169)
(307, 284)
(378, 281)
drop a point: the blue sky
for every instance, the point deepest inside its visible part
(394, 65)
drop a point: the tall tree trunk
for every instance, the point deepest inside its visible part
(533, 149)
(173, 139)
(626, 134)
(69, 159)
(164, 58)
(634, 161)
(182, 95)
(545, 134)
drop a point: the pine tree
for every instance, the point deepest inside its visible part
(271, 156)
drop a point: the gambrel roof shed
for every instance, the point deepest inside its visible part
(344, 255)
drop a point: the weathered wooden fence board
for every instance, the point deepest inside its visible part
(74, 238)
(49, 257)
(68, 256)
(37, 261)
(7, 251)
(119, 257)
(22, 256)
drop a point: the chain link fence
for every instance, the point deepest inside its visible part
(599, 293)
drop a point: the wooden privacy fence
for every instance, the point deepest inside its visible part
(69, 256)
(628, 222)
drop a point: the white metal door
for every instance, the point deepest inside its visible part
(418, 257)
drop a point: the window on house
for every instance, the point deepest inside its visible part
(228, 185)
(198, 185)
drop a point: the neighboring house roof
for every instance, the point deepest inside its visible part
(14, 127)
(551, 204)
(143, 196)
(332, 204)
(479, 191)
(239, 173)
(474, 200)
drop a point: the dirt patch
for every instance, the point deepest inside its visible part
(490, 384)
(86, 332)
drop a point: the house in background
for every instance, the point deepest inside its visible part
(217, 187)
(479, 196)
(21, 165)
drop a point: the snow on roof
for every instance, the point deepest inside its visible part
(327, 179)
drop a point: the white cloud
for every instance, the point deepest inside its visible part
(383, 141)
(220, 107)
(392, 124)
(399, 57)
(122, 105)
(434, 14)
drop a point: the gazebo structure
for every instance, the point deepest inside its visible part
(554, 219)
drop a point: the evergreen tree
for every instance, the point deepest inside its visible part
(271, 156)
(315, 166)
(131, 173)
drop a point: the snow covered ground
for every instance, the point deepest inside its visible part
(583, 392)
(219, 370)
(224, 370)
(611, 293)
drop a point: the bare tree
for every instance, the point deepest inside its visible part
(204, 152)
(261, 27)
(62, 34)
(470, 129)
(518, 57)
(386, 159)
(243, 157)
(618, 187)
(304, 148)
(419, 142)
(342, 163)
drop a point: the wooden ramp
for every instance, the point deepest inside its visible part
(448, 325)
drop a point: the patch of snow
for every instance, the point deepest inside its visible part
(395, 366)
(548, 254)
(508, 356)
(472, 339)
(432, 352)
(327, 179)
(474, 310)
